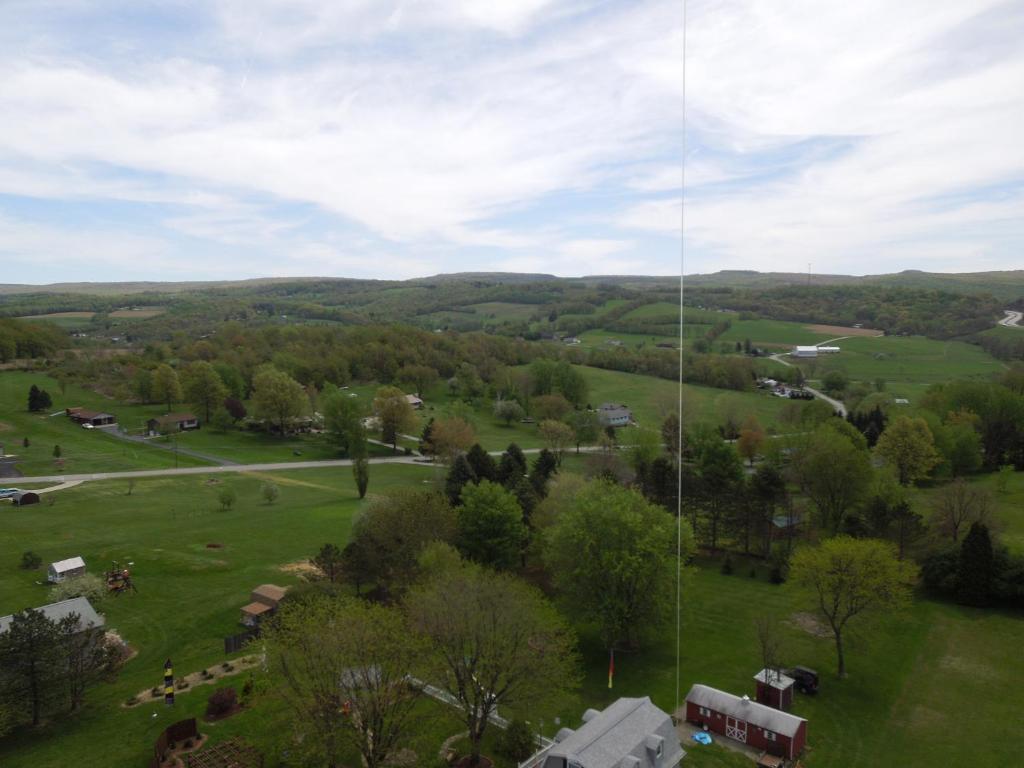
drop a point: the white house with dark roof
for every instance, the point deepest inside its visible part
(87, 616)
(628, 733)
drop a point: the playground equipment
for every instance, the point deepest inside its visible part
(120, 579)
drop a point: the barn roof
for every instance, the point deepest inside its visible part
(624, 733)
(745, 709)
(68, 565)
(57, 611)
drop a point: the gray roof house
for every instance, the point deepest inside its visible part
(56, 611)
(629, 733)
(614, 415)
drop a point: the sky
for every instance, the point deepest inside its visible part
(227, 139)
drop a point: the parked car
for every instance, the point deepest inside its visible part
(88, 426)
(806, 679)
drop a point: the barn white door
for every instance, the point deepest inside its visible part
(736, 729)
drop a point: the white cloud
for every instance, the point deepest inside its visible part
(819, 130)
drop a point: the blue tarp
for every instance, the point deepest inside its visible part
(702, 738)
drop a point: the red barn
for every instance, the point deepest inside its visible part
(746, 721)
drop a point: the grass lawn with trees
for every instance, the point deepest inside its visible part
(82, 450)
(911, 676)
(189, 594)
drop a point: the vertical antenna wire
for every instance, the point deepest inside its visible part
(679, 411)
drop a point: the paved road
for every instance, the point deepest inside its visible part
(836, 404)
(278, 466)
(1012, 319)
(173, 472)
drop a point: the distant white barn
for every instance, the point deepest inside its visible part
(802, 351)
(65, 569)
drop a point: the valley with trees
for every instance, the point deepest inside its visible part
(430, 482)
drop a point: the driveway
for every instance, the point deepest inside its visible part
(1012, 319)
(837, 405)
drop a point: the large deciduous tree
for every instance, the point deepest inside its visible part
(395, 413)
(908, 447)
(203, 388)
(849, 577)
(612, 557)
(344, 423)
(491, 528)
(342, 666)
(834, 470)
(496, 642)
(395, 527)
(165, 387)
(278, 397)
(958, 505)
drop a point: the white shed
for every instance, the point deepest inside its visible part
(65, 569)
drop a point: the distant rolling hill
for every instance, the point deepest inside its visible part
(1007, 285)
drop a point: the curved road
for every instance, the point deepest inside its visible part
(836, 404)
(1012, 319)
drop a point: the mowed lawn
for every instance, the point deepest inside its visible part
(652, 398)
(189, 594)
(912, 359)
(933, 686)
(771, 332)
(82, 450)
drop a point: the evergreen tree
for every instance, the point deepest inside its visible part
(976, 569)
(38, 399)
(483, 465)
(29, 660)
(459, 476)
(544, 466)
(361, 474)
(426, 438)
(511, 466)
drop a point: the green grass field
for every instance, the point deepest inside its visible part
(772, 333)
(189, 595)
(598, 338)
(911, 677)
(911, 359)
(651, 399)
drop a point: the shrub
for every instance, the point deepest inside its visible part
(516, 742)
(88, 585)
(727, 566)
(779, 566)
(25, 443)
(226, 497)
(270, 492)
(221, 702)
(188, 744)
(132, 701)
(30, 561)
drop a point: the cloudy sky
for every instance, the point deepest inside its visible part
(396, 138)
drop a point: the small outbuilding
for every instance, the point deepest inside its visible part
(65, 569)
(414, 401)
(21, 498)
(738, 718)
(628, 733)
(265, 599)
(774, 689)
(87, 616)
(172, 422)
